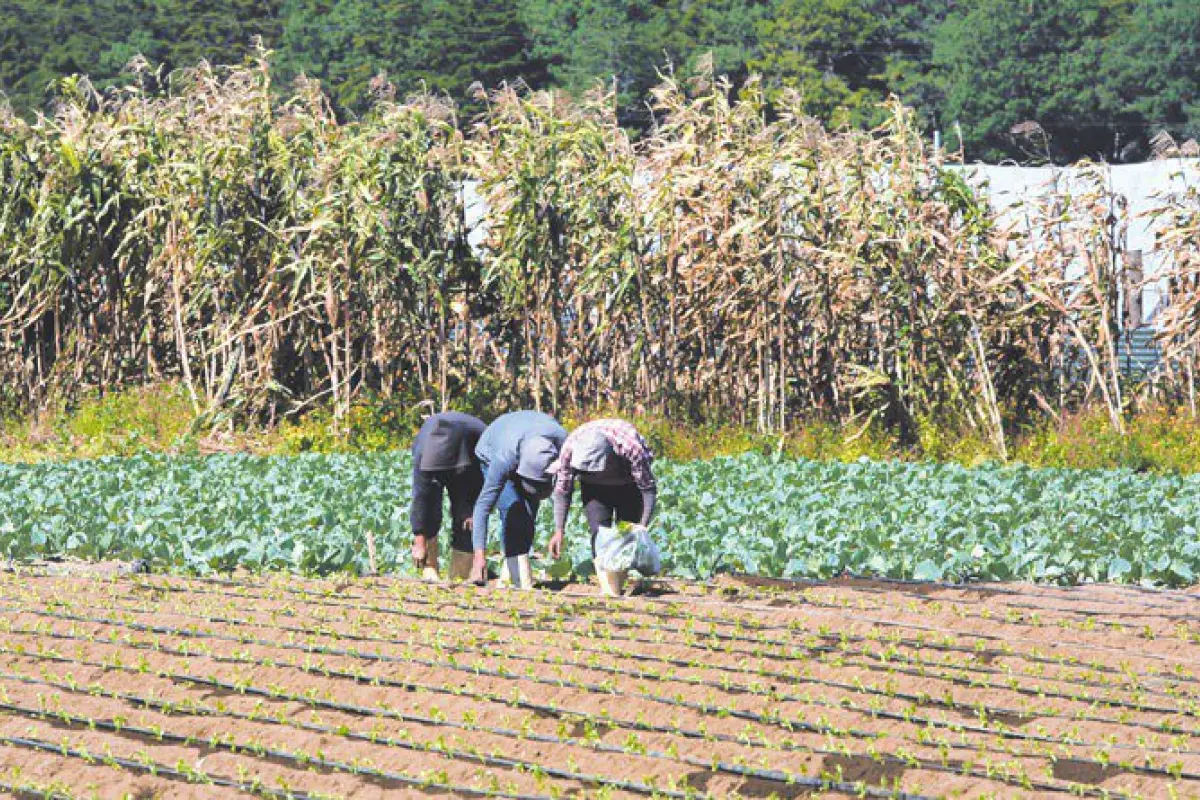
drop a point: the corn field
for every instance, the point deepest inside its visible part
(738, 262)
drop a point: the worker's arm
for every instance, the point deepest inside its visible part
(418, 487)
(564, 488)
(493, 483)
(640, 469)
(649, 501)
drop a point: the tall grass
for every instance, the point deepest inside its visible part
(737, 264)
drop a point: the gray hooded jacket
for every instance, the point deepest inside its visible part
(523, 443)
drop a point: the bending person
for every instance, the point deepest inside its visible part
(515, 454)
(444, 460)
(613, 464)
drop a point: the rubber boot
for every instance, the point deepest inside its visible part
(460, 564)
(430, 572)
(521, 568)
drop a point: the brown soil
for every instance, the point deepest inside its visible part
(384, 688)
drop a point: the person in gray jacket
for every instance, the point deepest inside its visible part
(515, 454)
(444, 460)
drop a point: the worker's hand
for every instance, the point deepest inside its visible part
(469, 524)
(418, 550)
(554, 546)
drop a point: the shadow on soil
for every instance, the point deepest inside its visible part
(582, 729)
(843, 768)
(751, 787)
(637, 587)
(861, 769)
(1084, 772)
(1011, 720)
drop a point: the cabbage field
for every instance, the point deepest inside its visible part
(752, 513)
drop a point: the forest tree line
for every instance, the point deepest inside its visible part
(999, 78)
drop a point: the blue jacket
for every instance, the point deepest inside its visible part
(499, 452)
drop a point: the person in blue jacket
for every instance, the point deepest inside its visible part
(444, 462)
(515, 454)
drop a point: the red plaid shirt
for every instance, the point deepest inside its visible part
(626, 442)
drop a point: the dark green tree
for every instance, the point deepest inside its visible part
(1094, 75)
(631, 43)
(218, 31)
(42, 41)
(904, 42)
(1154, 70)
(346, 43)
(1006, 63)
(726, 29)
(586, 42)
(475, 41)
(825, 49)
(439, 45)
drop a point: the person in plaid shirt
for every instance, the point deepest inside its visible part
(613, 464)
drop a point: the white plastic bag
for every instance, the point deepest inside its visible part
(647, 560)
(624, 547)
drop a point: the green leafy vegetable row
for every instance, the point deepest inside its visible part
(784, 518)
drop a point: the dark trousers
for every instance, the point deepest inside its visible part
(518, 519)
(425, 514)
(602, 503)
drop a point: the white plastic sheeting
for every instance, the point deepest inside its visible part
(1143, 187)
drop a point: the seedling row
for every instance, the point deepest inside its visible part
(364, 689)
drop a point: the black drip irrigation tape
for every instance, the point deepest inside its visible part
(730, 687)
(442, 601)
(157, 770)
(956, 727)
(1117, 613)
(918, 700)
(1043, 589)
(1049, 591)
(862, 659)
(27, 791)
(843, 615)
(168, 708)
(914, 667)
(260, 752)
(810, 648)
(412, 686)
(607, 607)
(608, 721)
(977, 588)
(769, 775)
(790, 656)
(807, 599)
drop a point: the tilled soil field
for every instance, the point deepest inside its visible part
(151, 686)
